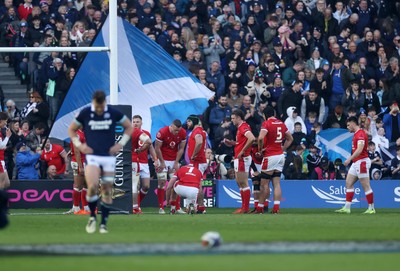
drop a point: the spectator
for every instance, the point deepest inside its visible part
(215, 170)
(392, 75)
(290, 98)
(257, 89)
(213, 51)
(381, 142)
(39, 111)
(35, 136)
(310, 121)
(27, 163)
(215, 77)
(52, 173)
(337, 119)
(54, 154)
(395, 165)
(232, 73)
(325, 171)
(375, 157)
(313, 159)
(339, 79)
(391, 122)
(224, 140)
(353, 97)
(250, 114)
(25, 128)
(276, 91)
(292, 170)
(13, 112)
(9, 155)
(289, 75)
(313, 103)
(371, 100)
(299, 137)
(235, 99)
(219, 112)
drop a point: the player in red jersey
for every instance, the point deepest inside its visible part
(186, 182)
(197, 153)
(359, 169)
(4, 180)
(141, 146)
(272, 133)
(242, 159)
(54, 154)
(170, 144)
(80, 190)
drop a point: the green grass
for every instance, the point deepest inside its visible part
(291, 225)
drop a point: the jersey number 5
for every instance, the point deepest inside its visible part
(278, 134)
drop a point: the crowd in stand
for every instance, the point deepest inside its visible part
(315, 61)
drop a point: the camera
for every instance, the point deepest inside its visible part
(223, 158)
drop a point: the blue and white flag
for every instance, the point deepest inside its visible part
(335, 143)
(156, 86)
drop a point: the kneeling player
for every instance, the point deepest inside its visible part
(185, 183)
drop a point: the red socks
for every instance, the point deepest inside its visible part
(76, 195)
(370, 196)
(246, 198)
(141, 196)
(349, 195)
(178, 202)
(83, 197)
(161, 196)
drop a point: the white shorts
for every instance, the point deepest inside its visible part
(169, 165)
(274, 162)
(106, 163)
(242, 165)
(188, 192)
(144, 169)
(360, 168)
(201, 166)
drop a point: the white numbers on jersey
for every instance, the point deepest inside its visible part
(279, 135)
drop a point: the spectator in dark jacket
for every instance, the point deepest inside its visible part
(26, 163)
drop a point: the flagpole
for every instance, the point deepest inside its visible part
(113, 52)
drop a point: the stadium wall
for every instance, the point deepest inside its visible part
(218, 193)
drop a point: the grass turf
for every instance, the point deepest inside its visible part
(292, 225)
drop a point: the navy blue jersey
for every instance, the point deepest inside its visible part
(100, 130)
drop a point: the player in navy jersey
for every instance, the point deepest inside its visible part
(98, 123)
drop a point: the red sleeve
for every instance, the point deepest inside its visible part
(160, 135)
(183, 134)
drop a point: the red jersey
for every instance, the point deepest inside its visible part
(143, 156)
(189, 176)
(201, 155)
(170, 142)
(53, 157)
(241, 139)
(276, 131)
(135, 143)
(360, 135)
(82, 139)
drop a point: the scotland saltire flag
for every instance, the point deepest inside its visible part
(158, 88)
(335, 143)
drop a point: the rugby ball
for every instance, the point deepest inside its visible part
(211, 239)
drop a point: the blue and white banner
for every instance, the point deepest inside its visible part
(156, 86)
(335, 143)
(316, 194)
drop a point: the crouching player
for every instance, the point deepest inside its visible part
(80, 189)
(185, 183)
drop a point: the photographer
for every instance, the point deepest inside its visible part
(215, 168)
(224, 137)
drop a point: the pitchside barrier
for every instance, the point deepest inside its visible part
(217, 193)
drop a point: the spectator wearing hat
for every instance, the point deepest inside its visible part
(339, 79)
(280, 57)
(147, 18)
(249, 73)
(353, 96)
(45, 14)
(22, 39)
(257, 10)
(276, 91)
(313, 159)
(363, 121)
(164, 39)
(318, 40)
(27, 163)
(315, 61)
(257, 89)
(293, 119)
(324, 171)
